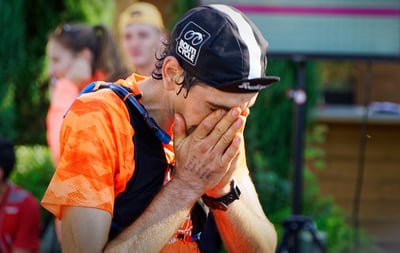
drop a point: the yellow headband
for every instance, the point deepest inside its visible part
(142, 13)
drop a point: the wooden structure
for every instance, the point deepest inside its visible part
(379, 210)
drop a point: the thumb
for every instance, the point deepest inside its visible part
(179, 128)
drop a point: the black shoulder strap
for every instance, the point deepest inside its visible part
(131, 101)
(149, 156)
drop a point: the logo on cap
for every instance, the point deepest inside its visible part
(190, 41)
(248, 86)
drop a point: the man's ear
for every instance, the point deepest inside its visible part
(172, 72)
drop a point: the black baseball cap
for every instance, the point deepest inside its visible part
(220, 46)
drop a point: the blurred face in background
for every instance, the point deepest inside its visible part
(60, 59)
(140, 43)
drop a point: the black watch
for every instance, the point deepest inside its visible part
(222, 203)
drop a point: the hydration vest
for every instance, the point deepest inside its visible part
(150, 162)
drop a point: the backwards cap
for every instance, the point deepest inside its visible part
(141, 13)
(220, 46)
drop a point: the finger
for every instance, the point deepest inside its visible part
(227, 138)
(223, 125)
(232, 150)
(225, 130)
(179, 129)
(208, 124)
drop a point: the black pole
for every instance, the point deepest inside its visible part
(300, 115)
(290, 242)
(361, 159)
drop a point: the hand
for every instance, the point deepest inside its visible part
(79, 71)
(204, 157)
(237, 168)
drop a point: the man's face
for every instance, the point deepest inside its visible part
(140, 43)
(203, 99)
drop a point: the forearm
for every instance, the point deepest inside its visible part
(242, 230)
(244, 227)
(152, 230)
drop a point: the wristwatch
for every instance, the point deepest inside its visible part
(222, 203)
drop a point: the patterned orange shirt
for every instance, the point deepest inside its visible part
(96, 159)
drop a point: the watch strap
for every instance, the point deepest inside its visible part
(223, 202)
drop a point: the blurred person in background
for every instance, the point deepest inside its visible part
(142, 36)
(19, 209)
(77, 54)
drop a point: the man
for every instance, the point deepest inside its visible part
(141, 29)
(201, 92)
(142, 34)
(19, 210)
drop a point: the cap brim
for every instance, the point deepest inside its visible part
(249, 86)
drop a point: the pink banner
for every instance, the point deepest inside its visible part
(319, 10)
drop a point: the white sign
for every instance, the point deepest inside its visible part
(335, 28)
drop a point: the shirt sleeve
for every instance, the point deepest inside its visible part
(96, 158)
(28, 231)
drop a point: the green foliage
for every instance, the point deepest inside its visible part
(177, 9)
(269, 135)
(327, 216)
(21, 49)
(90, 11)
(11, 53)
(268, 139)
(11, 44)
(33, 170)
(7, 112)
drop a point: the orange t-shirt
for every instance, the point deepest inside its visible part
(96, 158)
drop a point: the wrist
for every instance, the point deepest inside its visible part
(223, 202)
(186, 187)
(220, 191)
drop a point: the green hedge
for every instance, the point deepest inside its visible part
(33, 170)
